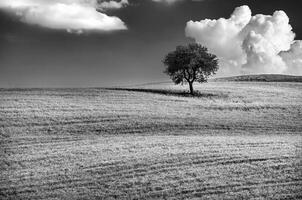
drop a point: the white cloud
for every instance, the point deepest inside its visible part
(293, 58)
(250, 44)
(113, 4)
(71, 15)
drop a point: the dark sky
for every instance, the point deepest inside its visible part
(31, 56)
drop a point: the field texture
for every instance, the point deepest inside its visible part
(233, 141)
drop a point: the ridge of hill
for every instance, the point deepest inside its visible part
(261, 78)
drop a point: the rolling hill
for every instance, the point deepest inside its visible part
(236, 140)
(261, 78)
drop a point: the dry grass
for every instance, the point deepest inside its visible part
(241, 140)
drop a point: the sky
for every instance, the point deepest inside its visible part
(95, 43)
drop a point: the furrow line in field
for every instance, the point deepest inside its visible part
(50, 182)
(205, 190)
(119, 169)
(53, 124)
(31, 141)
(197, 190)
(238, 188)
(149, 169)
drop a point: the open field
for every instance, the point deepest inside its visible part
(263, 78)
(235, 140)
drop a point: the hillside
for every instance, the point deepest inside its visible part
(236, 140)
(261, 78)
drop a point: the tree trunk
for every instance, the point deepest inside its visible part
(191, 88)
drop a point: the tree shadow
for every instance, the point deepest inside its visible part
(179, 93)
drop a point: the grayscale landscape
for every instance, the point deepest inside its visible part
(150, 100)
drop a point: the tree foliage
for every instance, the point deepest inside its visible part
(189, 64)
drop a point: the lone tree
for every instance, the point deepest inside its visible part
(189, 64)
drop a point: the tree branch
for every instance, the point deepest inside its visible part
(184, 73)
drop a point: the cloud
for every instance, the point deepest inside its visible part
(248, 44)
(112, 4)
(293, 58)
(71, 15)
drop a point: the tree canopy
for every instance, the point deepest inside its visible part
(189, 64)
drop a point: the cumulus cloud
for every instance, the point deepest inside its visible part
(71, 15)
(112, 4)
(249, 44)
(293, 58)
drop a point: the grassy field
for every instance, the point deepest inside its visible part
(235, 140)
(262, 78)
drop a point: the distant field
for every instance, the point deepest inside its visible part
(235, 140)
(262, 78)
